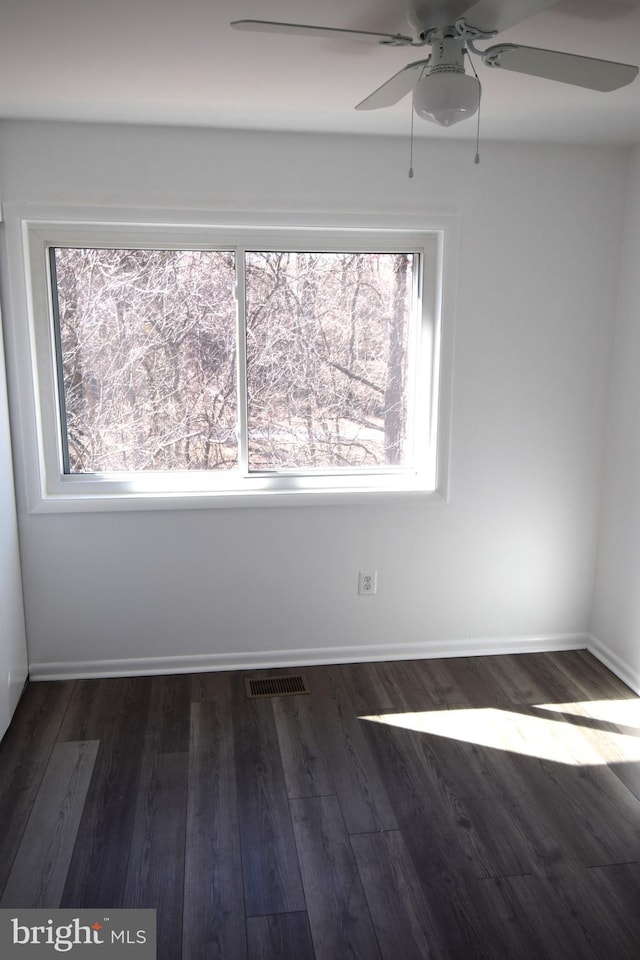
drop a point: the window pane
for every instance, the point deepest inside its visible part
(147, 359)
(327, 359)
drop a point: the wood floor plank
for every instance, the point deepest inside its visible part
(211, 686)
(491, 786)
(40, 868)
(391, 686)
(306, 771)
(214, 912)
(608, 812)
(447, 901)
(443, 680)
(354, 771)
(93, 704)
(518, 920)
(508, 798)
(538, 679)
(617, 889)
(612, 728)
(155, 871)
(98, 868)
(518, 681)
(564, 807)
(338, 912)
(591, 677)
(606, 904)
(368, 690)
(97, 706)
(24, 754)
(481, 688)
(515, 800)
(167, 728)
(398, 908)
(628, 774)
(574, 915)
(451, 832)
(424, 684)
(593, 816)
(382, 687)
(283, 936)
(271, 873)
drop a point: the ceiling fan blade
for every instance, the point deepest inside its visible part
(394, 89)
(272, 26)
(501, 14)
(603, 75)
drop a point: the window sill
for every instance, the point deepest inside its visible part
(307, 496)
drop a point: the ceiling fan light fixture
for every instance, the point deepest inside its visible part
(446, 98)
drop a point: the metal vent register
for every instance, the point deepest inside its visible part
(289, 686)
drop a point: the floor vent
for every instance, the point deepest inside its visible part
(276, 686)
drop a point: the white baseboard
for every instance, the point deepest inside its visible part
(614, 663)
(246, 660)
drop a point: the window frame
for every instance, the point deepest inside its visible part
(56, 490)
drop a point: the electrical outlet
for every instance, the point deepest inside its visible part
(367, 583)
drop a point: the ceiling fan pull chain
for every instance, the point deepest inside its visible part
(476, 159)
(411, 146)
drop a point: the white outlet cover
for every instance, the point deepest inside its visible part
(367, 583)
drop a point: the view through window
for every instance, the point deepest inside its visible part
(236, 359)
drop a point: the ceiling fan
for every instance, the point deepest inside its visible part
(443, 92)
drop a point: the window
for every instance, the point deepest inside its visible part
(146, 358)
(192, 361)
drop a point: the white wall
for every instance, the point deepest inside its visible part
(13, 649)
(616, 611)
(508, 563)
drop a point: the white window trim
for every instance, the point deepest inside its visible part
(34, 381)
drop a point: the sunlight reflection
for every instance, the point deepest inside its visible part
(591, 732)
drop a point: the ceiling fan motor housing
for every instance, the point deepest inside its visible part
(447, 55)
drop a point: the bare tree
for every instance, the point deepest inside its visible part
(395, 412)
(148, 358)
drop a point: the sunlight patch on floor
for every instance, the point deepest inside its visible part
(620, 712)
(590, 733)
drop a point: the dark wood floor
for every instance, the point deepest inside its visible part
(447, 809)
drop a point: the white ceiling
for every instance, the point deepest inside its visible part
(178, 62)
